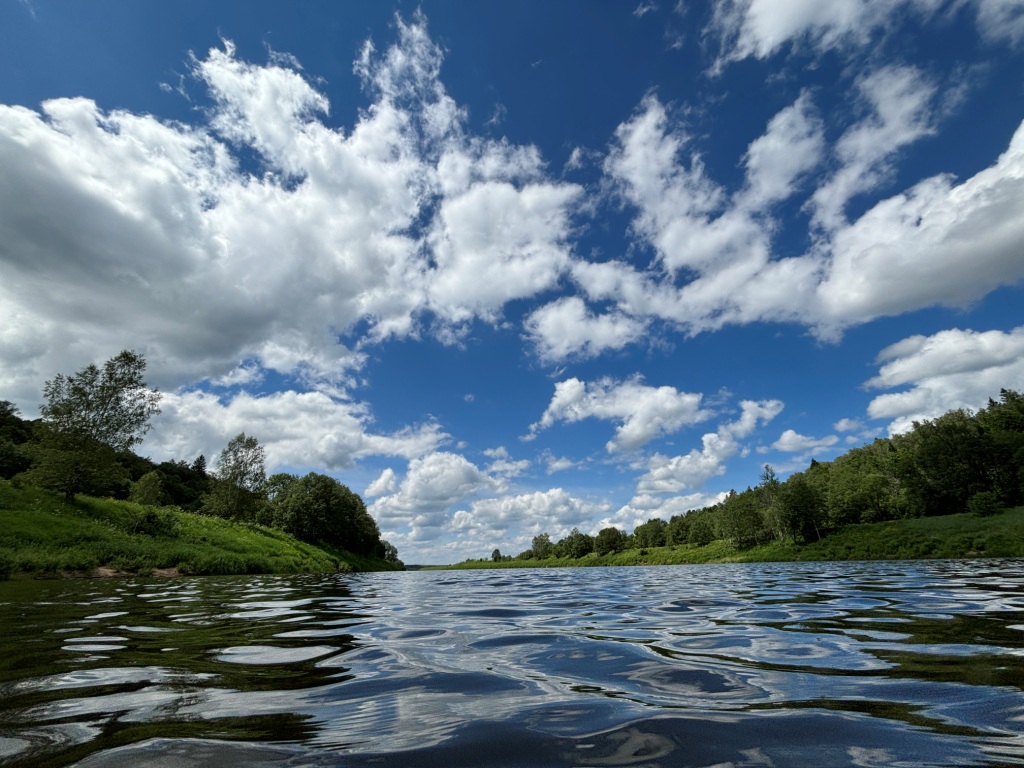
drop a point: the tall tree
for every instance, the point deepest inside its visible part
(89, 418)
(240, 476)
(111, 405)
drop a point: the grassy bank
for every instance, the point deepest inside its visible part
(42, 534)
(949, 536)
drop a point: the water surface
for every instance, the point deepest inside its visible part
(856, 664)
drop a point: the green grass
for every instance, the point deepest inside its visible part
(949, 536)
(42, 534)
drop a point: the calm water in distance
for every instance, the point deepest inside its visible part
(852, 664)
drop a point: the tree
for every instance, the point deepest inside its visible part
(148, 489)
(577, 544)
(541, 546)
(72, 463)
(88, 419)
(318, 509)
(651, 533)
(800, 508)
(767, 500)
(609, 540)
(238, 487)
(111, 406)
(496, 555)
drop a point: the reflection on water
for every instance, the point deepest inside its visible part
(858, 664)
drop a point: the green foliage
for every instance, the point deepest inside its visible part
(650, 534)
(237, 493)
(110, 406)
(71, 463)
(44, 534)
(541, 546)
(148, 489)
(318, 509)
(984, 504)
(609, 540)
(576, 545)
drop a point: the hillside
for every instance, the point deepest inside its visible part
(44, 535)
(948, 536)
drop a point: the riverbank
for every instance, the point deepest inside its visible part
(43, 535)
(945, 537)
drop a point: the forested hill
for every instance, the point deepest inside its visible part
(959, 462)
(91, 421)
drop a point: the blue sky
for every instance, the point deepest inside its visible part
(515, 268)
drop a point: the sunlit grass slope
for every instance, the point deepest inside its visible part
(42, 534)
(949, 536)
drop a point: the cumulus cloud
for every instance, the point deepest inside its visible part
(674, 474)
(947, 370)
(941, 242)
(566, 328)
(760, 28)
(792, 441)
(298, 429)
(899, 104)
(643, 412)
(167, 241)
(432, 486)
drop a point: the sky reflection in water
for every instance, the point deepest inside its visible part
(862, 664)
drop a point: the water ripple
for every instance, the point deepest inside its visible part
(858, 664)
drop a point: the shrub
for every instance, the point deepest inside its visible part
(984, 504)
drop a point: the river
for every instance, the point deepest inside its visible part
(849, 664)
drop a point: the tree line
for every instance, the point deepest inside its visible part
(959, 462)
(90, 422)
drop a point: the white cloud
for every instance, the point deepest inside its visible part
(1002, 20)
(165, 243)
(900, 112)
(948, 370)
(432, 485)
(792, 145)
(938, 243)
(690, 471)
(567, 329)
(384, 484)
(643, 412)
(298, 429)
(792, 441)
(760, 28)
(847, 425)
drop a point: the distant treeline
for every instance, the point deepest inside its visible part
(959, 462)
(93, 418)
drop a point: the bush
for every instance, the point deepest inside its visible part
(984, 504)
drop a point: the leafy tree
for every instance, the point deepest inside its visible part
(237, 492)
(389, 553)
(14, 431)
(318, 509)
(740, 520)
(71, 463)
(542, 547)
(609, 540)
(89, 418)
(767, 495)
(148, 489)
(800, 508)
(496, 555)
(650, 534)
(12, 427)
(702, 531)
(576, 544)
(678, 529)
(110, 405)
(984, 504)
